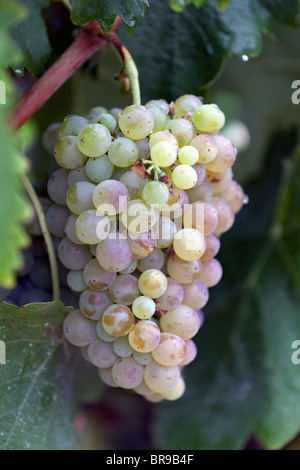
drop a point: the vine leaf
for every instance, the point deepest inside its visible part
(35, 408)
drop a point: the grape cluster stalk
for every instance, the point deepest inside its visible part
(140, 198)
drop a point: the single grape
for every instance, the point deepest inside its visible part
(226, 215)
(127, 373)
(143, 389)
(133, 183)
(138, 217)
(184, 176)
(188, 155)
(206, 146)
(118, 320)
(155, 260)
(94, 140)
(208, 118)
(211, 272)
(143, 307)
(184, 272)
(212, 247)
(142, 358)
(110, 197)
(72, 125)
(226, 155)
(190, 353)
(196, 294)
(125, 289)
(155, 193)
(153, 283)
(123, 152)
(78, 330)
(170, 351)
(202, 216)
(76, 281)
(173, 295)
(70, 230)
(160, 115)
(73, 256)
(182, 129)
(189, 244)
(51, 136)
(221, 180)
(163, 104)
(164, 230)
(56, 218)
(182, 321)
(144, 337)
(96, 277)
(161, 379)
(114, 253)
(186, 104)
(203, 192)
(163, 136)
(67, 154)
(130, 268)
(234, 194)
(177, 392)
(57, 186)
(200, 169)
(101, 353)
(107, 120)
(136, 122)
(122, 347)
(80, 197)
(141, 244)
(91, 227)
(106, 377)
(155, 398)
(93, 304)
(99, 169)
(77, 175)
(163, 153)
(102, 333)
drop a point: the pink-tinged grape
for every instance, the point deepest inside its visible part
(122, 347)
(101, 353)
(67, 154)
(70, 230)
(163, 153)
(118, 320)
(160, 116)
(143, 307)
(226, 215)
(51, 136)
(184, 176)
(123, 152)
(211, 272)
(114, 253)
(80, 197)
(234, 194)
(183, 321)
(208, 118)
(93, 304)
(170, 351)
(186, 104)
(164, 231)
(203, 192)
(177, 203)
(99, 169)
(173, 295)
(161, 379)
(94, 140)
(115, 112)
(226, 155)
(138, 217)
(73, 256)
(78, 330)
(182, 129)
(110, 197)
(155, 398)
(76, 281)
(91, 227)
(106, 377)
(143, 389)
(207, 147)
(202, 216)
(56, 218)
(153, 283)
(133, 183)
(177, 392)
(184, 272)
(144, 337)
(96, 277)
(190, 353)
(143, 148)
(163, 136)
(188, 155)
(163, 104)
(200, 169)
(127, 373)
(77, 175)
(212, 247)
(196, 294)
(72, 125)
(221, 180)
(136, 122)
(130, 268)
(189, 244)
(141, 244)
(125, 289)
(155, 260)
(57, 186)
(155, 193)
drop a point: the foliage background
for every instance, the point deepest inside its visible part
(243, 382)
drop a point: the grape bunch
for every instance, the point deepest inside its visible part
(140, 198)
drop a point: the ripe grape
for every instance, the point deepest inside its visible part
(182, 321)
(78, 330)
(153, 283)
(99, 169)
(94, 140)
(124, 290)
(136, 122)
(127, 373)
(161, 379)
(143, 307)
(94, 303)
(118, 320)
(208, 118)
(170, 351)
(123, 152)
(144, 337)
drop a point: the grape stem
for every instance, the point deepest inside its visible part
(47, 236)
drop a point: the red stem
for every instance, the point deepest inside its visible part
(90, 40)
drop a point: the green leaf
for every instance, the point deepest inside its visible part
(31, 35)
(35, 405)
(105, 12)
(222, 3)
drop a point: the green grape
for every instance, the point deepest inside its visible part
(142, 358)
(96, 277)
(207, 147)
(101, 353)
(163, 136)
(208, 118)
(94, 140)
(155, 193)
(144, 336)
(50, 137)
(73, 256)
(118, 320)
(72, 125)
(110, 197)
(160, 116)
(94, 303)
(107, 120)
(182, 129)
(143, 307)
(176, 392)
(186, 104)
(136, 122)
(184, 176)
(182, 321)
(77, 175)
(170, 351)
(127, 373)
(125, 289)
(160, 103)
(80, 197)
(98, 110)
(161, 379)
(57, 186)
(122, 347)
(70, 230)
(189, 244)
(99, 169)
(91, 228)
(163, 153)
(211, 272)
(76, 281)
(123, 152)
(67, 154)
(153, 283)
(78, 330)
(188, 155)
